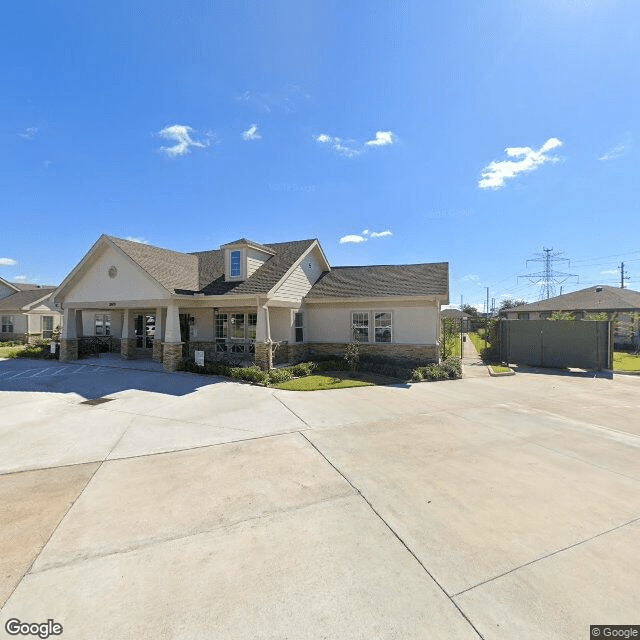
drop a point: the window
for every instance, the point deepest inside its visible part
(237, 326)
(545, 315)
(103, 324)
(235, 264)
(252, 325)
(221, 326)
(523, 316)
(47, 327)
(360, 326)
(7, 324)
(382, 326)
(299, 326)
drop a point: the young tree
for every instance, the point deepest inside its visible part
(562, 315)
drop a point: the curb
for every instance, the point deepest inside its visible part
(501, 374)
(625, 373)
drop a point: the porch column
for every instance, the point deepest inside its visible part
(128, 338)
(34, 328)
(263, 355)
(172, 345)
(157, 337)
(69, 339)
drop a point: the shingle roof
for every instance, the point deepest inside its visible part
(212, 280)
(24, 286)
(453, 313)
(203, 271)
(172, 269)
(383, 280)
(20, 299)
(589, 299)
(249, 243)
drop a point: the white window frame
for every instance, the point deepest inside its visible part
(375, 326)
(47, 331)
(7, 321)
(106, 323)
(231, 254)
(296, 326)
(353, 326)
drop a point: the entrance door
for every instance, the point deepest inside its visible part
(145, 329)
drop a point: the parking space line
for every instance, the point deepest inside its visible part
(58, 371)
(82, 366)
(37, 373)
(19, 374)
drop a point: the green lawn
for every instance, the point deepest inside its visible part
(500, 368)
(9, 352)
(454, 346)
(478, 340)
(321, 382)
(623, 361)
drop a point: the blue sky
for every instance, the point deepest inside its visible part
(476, 133)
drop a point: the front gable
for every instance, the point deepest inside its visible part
(6, 288)
(302, 276)
(107, 274)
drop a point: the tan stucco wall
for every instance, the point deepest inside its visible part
(131, 282)
(412, 324)
(280, 319)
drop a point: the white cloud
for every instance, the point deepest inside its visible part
(352, 239)
(609, 271)
(382, 139)
(7, 262)
(252, 133)
(180, 134)
(366, 234)
(29, 133)
(137, 239)
(349, 147)
(471, 277)
(614, 152)
(496, 173)
(20, 279)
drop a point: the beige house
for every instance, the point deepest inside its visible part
(268, 303)
(27, 312)
(619, 305)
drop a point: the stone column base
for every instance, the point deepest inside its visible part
(171, 356)
(156, 356)
(128, 348)
(68, 350)
(263, 356)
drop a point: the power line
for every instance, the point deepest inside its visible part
(548, 278)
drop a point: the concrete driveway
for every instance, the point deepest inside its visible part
(180, 506)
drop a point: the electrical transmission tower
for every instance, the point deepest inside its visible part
(622, 276)
(548, 278)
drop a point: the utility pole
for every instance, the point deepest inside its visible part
(622, 276)
(548, 278)
(486, 320)
(461, 323)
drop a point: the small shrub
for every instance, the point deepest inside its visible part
(40, 348)
(276, 376)
(250, 374)
(450, 369)
(416, 375)
(330, 364)
(352, 356)
(302, 369)
(209, 369)
(453, 367)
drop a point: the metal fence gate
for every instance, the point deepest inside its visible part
(583, 344)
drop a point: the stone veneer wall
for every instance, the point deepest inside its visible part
(264, 356)
(406, 354)
(68, 350)
(171, 355)
(128, 348)
(13, 337)
(156, 355)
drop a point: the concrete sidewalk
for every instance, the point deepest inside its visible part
(472, 365)
(191, 507)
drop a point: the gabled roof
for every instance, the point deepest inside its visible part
(11, 285)
(211, 275)
(378, 281)
(21, 299)
(249, 243)
(23, 286)
(589, 299)
(172, 269)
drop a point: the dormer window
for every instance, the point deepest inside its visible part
(235, 264)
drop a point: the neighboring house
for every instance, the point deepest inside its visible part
(617, 303)
(456, 314)
(26, 312)
(278, 302)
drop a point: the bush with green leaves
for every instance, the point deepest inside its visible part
(352, 355)
(302, 369)
(250, 374)
(40, 348)
(330, 364)
(209, 369)
(276, 376)
(449, 369)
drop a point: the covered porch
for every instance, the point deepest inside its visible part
(234, 330)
